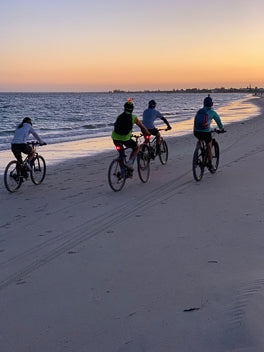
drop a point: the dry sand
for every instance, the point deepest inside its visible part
(171, 265)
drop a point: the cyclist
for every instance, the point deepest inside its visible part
(149, 116)
(202, 122)
(121, 134)
(19, 143)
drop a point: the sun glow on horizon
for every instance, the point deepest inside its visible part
(81, 46)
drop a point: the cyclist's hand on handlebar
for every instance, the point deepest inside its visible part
(168, 128)
(223, 130)
(44, 143)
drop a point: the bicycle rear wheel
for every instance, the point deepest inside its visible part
(163, 155)
(215, 154)
(198, 165)
(116, 176)
(143, 163)
(12, 176)
(38, 170)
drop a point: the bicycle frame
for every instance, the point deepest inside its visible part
(201, 159)
(16, 171)
(151, 142)
(118, 170)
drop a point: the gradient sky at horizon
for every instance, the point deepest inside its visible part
(82, 45)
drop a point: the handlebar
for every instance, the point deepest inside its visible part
(218, 131)
(34, 143)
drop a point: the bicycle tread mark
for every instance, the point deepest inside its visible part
(72, 238)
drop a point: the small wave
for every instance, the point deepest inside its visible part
(6, 133)
(92, 127)
(57, 129)
(7, 106)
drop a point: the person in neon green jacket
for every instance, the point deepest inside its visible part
(121, 134)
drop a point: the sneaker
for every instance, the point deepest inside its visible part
(129, 173)
(211, 168)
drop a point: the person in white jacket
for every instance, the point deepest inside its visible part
(19, 143)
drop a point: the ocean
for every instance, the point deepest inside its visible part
(64, 117)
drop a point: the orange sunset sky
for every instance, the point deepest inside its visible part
(83, 45)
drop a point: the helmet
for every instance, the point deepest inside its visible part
(152, 104)
(208, 101)
(27, 120)
(129, 106)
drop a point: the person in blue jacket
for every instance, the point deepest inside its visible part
(149, 116)
(202, 126)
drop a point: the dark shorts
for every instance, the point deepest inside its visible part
(128, 144)
(153, 131)
(17, 149)
(203, 136)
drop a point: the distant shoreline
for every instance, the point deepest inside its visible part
(254, 91)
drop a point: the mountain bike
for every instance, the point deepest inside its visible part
(118, 170)
(16, 173)
(200, 157)
(151, 148)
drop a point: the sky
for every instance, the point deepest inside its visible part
(88, 45)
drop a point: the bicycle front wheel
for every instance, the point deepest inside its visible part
(116, 176)
(143, 163)
(198, 165)
(38, 170)
(215, 154)
(12, 176)
(163, 155)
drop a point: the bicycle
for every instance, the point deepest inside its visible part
(118, 171)
(200, 157)
(151, 145)
(16, 173)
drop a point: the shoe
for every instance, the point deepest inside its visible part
(211, 168)
(129, 173)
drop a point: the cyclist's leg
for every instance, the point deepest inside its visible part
(120, 148)
(16, 150)
(208, 141)
(207, 137)
(156, 133)
(135, 149)
(27, 149)
(209, 152)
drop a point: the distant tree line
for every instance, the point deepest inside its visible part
(255, 90)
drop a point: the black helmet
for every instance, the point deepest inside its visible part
(152, 104)
(208, 101)
(129, 106)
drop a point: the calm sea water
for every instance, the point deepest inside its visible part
(63, 117)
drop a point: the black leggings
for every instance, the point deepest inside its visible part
(17, 149)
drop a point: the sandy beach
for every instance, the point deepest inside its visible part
(171, 265)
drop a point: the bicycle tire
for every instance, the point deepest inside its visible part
(215, 154)
(143, 163)
(116, 176)
(164, 153)
(12, 176)
(198, 165)
(38, 170)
